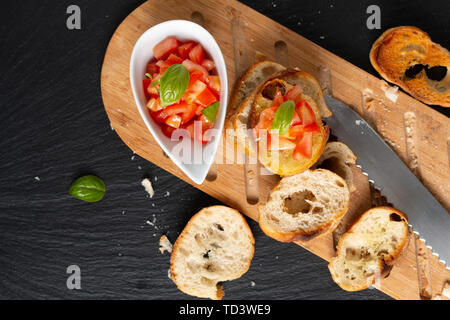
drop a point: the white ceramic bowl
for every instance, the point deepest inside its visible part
(142, 54)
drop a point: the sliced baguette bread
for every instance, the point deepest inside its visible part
(400, 56)
(304, 206)
(368, 250)
(247, 83)
(337, 157)
(216, 245)
(282, 162)
(241, 121)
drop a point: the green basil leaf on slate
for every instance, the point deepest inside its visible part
(88, 188)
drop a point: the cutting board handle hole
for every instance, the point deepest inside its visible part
(198, 18)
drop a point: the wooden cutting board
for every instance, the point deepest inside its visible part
(418, 134)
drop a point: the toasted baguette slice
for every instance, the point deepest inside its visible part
(282, 162)
(337, 157)
(247, 83)
(242, 118)
(369, 249)
(304, 206)
(401, 48)
(216, 245)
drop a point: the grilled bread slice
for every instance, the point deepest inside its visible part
(368, 250)
(216, 245)
(282, 162)
(337, 157)
(241, 118)
(304, 206)
(409, 58)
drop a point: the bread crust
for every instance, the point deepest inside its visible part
(299, 235)
(391, 62)
(240, 85)
(384, 265)
(183, 235)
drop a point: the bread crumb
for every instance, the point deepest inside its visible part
(37, 179)
(155, 178)
(167, 194)
(148, 187)
(358, 122)
(390, 92)
(165, 245)
(133, 157)
(446, 290)
(112, 128)
(139, 167)
(168, 274)
(252, 283)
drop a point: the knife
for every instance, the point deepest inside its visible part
(393, 178)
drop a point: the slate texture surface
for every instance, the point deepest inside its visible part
(53, 128)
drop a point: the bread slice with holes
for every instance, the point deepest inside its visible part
(369, 249)
(337, 157)
(216, 245)
(304, 206)
(399, 56)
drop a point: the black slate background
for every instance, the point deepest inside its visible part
(53, 126)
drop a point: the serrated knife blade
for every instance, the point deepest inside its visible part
(396, 182)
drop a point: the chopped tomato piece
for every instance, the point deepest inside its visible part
(167, 130)
(294, 94)
(304, 147)
(152, 68)
(171, 60)
(313, 127)
(306, 113)
(153, 91)
(154, 104)
(296, 119)
(197, 54)
(176, 109)
(192, 66)
(296, 131)
(276, 142)
(189, 113)
(185, 48)
(278, 99)
(208, 64)
(191, 94)
(265, 121)
(146, 83)
(163, 49)
(206, 98)
(206, 125)
(174, 121)
(194, 76)
(214, 84)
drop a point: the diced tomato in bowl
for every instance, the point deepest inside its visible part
(203, 88)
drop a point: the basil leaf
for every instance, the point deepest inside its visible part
(174, 83)
(148, 75)
(88, 188)
(211, 112)
(283, 117)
